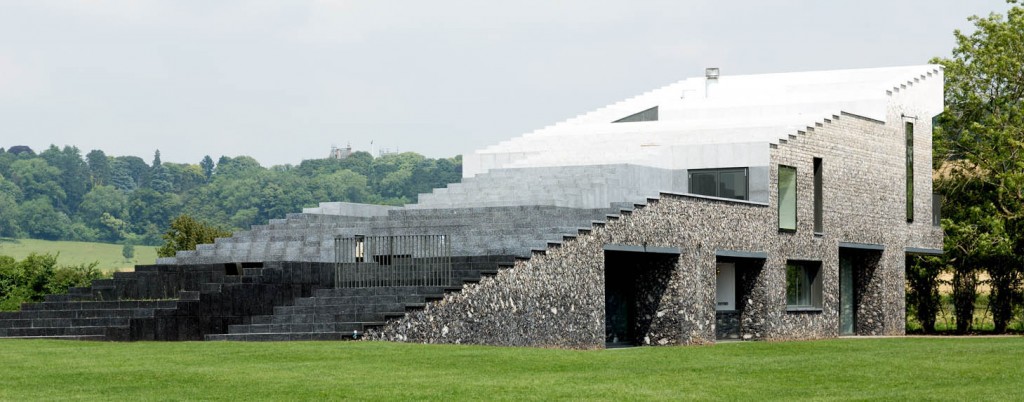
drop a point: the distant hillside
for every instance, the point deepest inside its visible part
(58, 194)
(75, 253)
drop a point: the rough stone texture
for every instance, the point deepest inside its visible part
(557, 299)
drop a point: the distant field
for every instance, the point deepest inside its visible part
(75, 252)
(901, 369)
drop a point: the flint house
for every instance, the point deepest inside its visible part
(756, 207)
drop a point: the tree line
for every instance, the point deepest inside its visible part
(979, 164)
(59, 194)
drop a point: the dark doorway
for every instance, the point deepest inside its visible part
(736, 282)
(856, 269)
(634, 285)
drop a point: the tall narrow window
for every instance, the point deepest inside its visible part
(787, 198)
(909, 129)
(819, 224)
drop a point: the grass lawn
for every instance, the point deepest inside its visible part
(892, 369)
(76, 252)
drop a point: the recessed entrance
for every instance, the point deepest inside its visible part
(856, 268)
(736, 283)
(635, 282)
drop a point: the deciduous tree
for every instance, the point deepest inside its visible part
(186, 233)
(979, 139)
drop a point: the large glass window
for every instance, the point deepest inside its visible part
(725, 183)
(787, 198)
(803, 285)
(909, 129)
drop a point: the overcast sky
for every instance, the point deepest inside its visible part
(283, 81)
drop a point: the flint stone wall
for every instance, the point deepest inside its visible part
(557, 299)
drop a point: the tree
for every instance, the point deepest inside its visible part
(185, 177)
(136, 169)
(37, 179)
(241, 166)
(21, 150)
(979, 139)
(10, 194)
(128, 251)
(99, 167)
(208, 166)
(40, 220)
(160, 179)
(186, 233)
(923, 298)
(25, 280)
(74, 174)
(151, 212)
(105, 209)
(120, 176)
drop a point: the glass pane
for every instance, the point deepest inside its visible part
(725, 286)
(733, 184)
(845, 296)
(703, 183)
(787, 198)
(797, 291)
(910, 171)
(818, 206)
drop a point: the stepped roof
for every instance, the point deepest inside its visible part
(740, 109)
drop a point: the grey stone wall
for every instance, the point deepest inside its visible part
(557, 299)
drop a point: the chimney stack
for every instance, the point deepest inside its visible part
(710, 80)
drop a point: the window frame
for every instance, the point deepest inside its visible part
(810, 295)
(718, 181)
(908, 129)
(794, 199)
(819, 207)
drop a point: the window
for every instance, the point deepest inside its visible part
(725, 183)
(909, 129)
(803, 285)
(819, 224)
(787, 198)
(646, 115)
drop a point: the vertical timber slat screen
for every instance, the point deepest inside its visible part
(400, 260)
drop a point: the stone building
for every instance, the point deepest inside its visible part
(787, 206)
(757, 207)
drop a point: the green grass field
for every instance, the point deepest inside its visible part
(75, 252)
(892, 369)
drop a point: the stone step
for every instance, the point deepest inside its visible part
(66, 322)
(73, 314)
(359, 300)
(57, 331)
(62, 337)
(282, 328)
(378, 291)
(278, 337)
(345, 308)
(100, 305)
